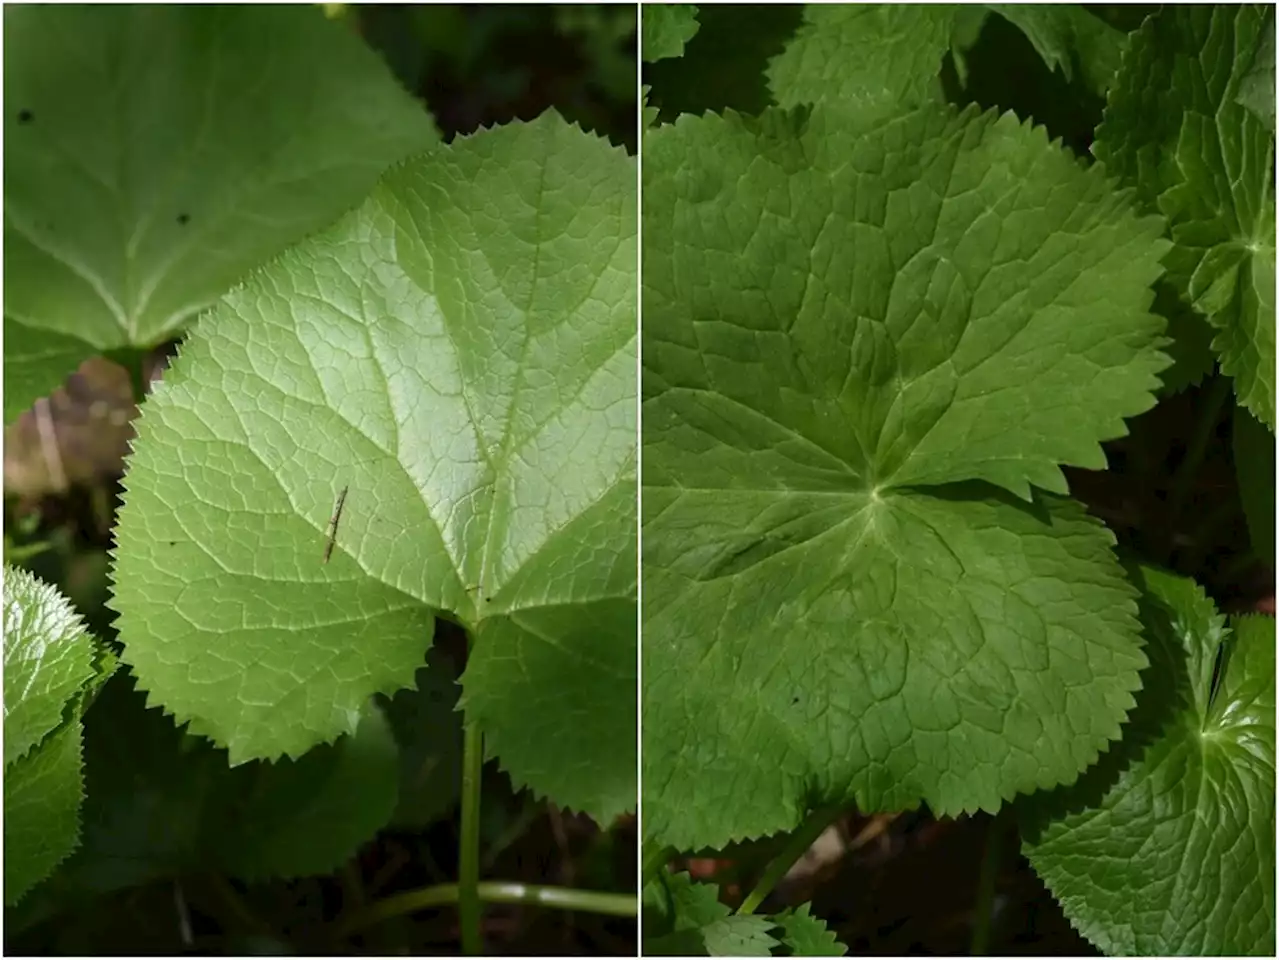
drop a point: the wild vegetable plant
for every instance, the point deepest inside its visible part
(409, 395)
(879, 322)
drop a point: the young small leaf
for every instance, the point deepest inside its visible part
(683, 918)
(805, 935)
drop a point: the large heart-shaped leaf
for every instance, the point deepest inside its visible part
(454, 362)
(844, 317)
(155, 154)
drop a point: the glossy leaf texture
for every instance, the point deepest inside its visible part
(1174, 129)
(1167, 846)
(458, 356)
(155, 154)
(52, 667)
(48, 660)
(845, 318)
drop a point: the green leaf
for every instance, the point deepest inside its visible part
(648, 114)
(840, 316)
(147, 790)
(458, 355)
(724, 65)
(805, 935)
(666, 29)
(554, 687)
(36, 362)
(306, 817)
(683, 918)
(1254, 452)
(154, 154)
(1190, 340)
(966, 27)
(1167, 846)
(42, 795)
(1258, 88)
(162, 803)
(48, 660)
(428, 729)
(872, 58)
(1174, 129)
(1071, 39)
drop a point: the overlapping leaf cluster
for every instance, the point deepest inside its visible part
(453, 360)
(876, 325)
(683, 918)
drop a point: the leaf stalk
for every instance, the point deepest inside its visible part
(796, 847)
(1185, 478)
(988, 871)
(499, 891)
(468, 886)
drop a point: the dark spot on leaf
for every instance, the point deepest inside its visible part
(173, 543)
(25, 116)
(184, 219)
(794, 701)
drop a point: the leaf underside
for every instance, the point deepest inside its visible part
(457, 354)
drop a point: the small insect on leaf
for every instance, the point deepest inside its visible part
(333, 524)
